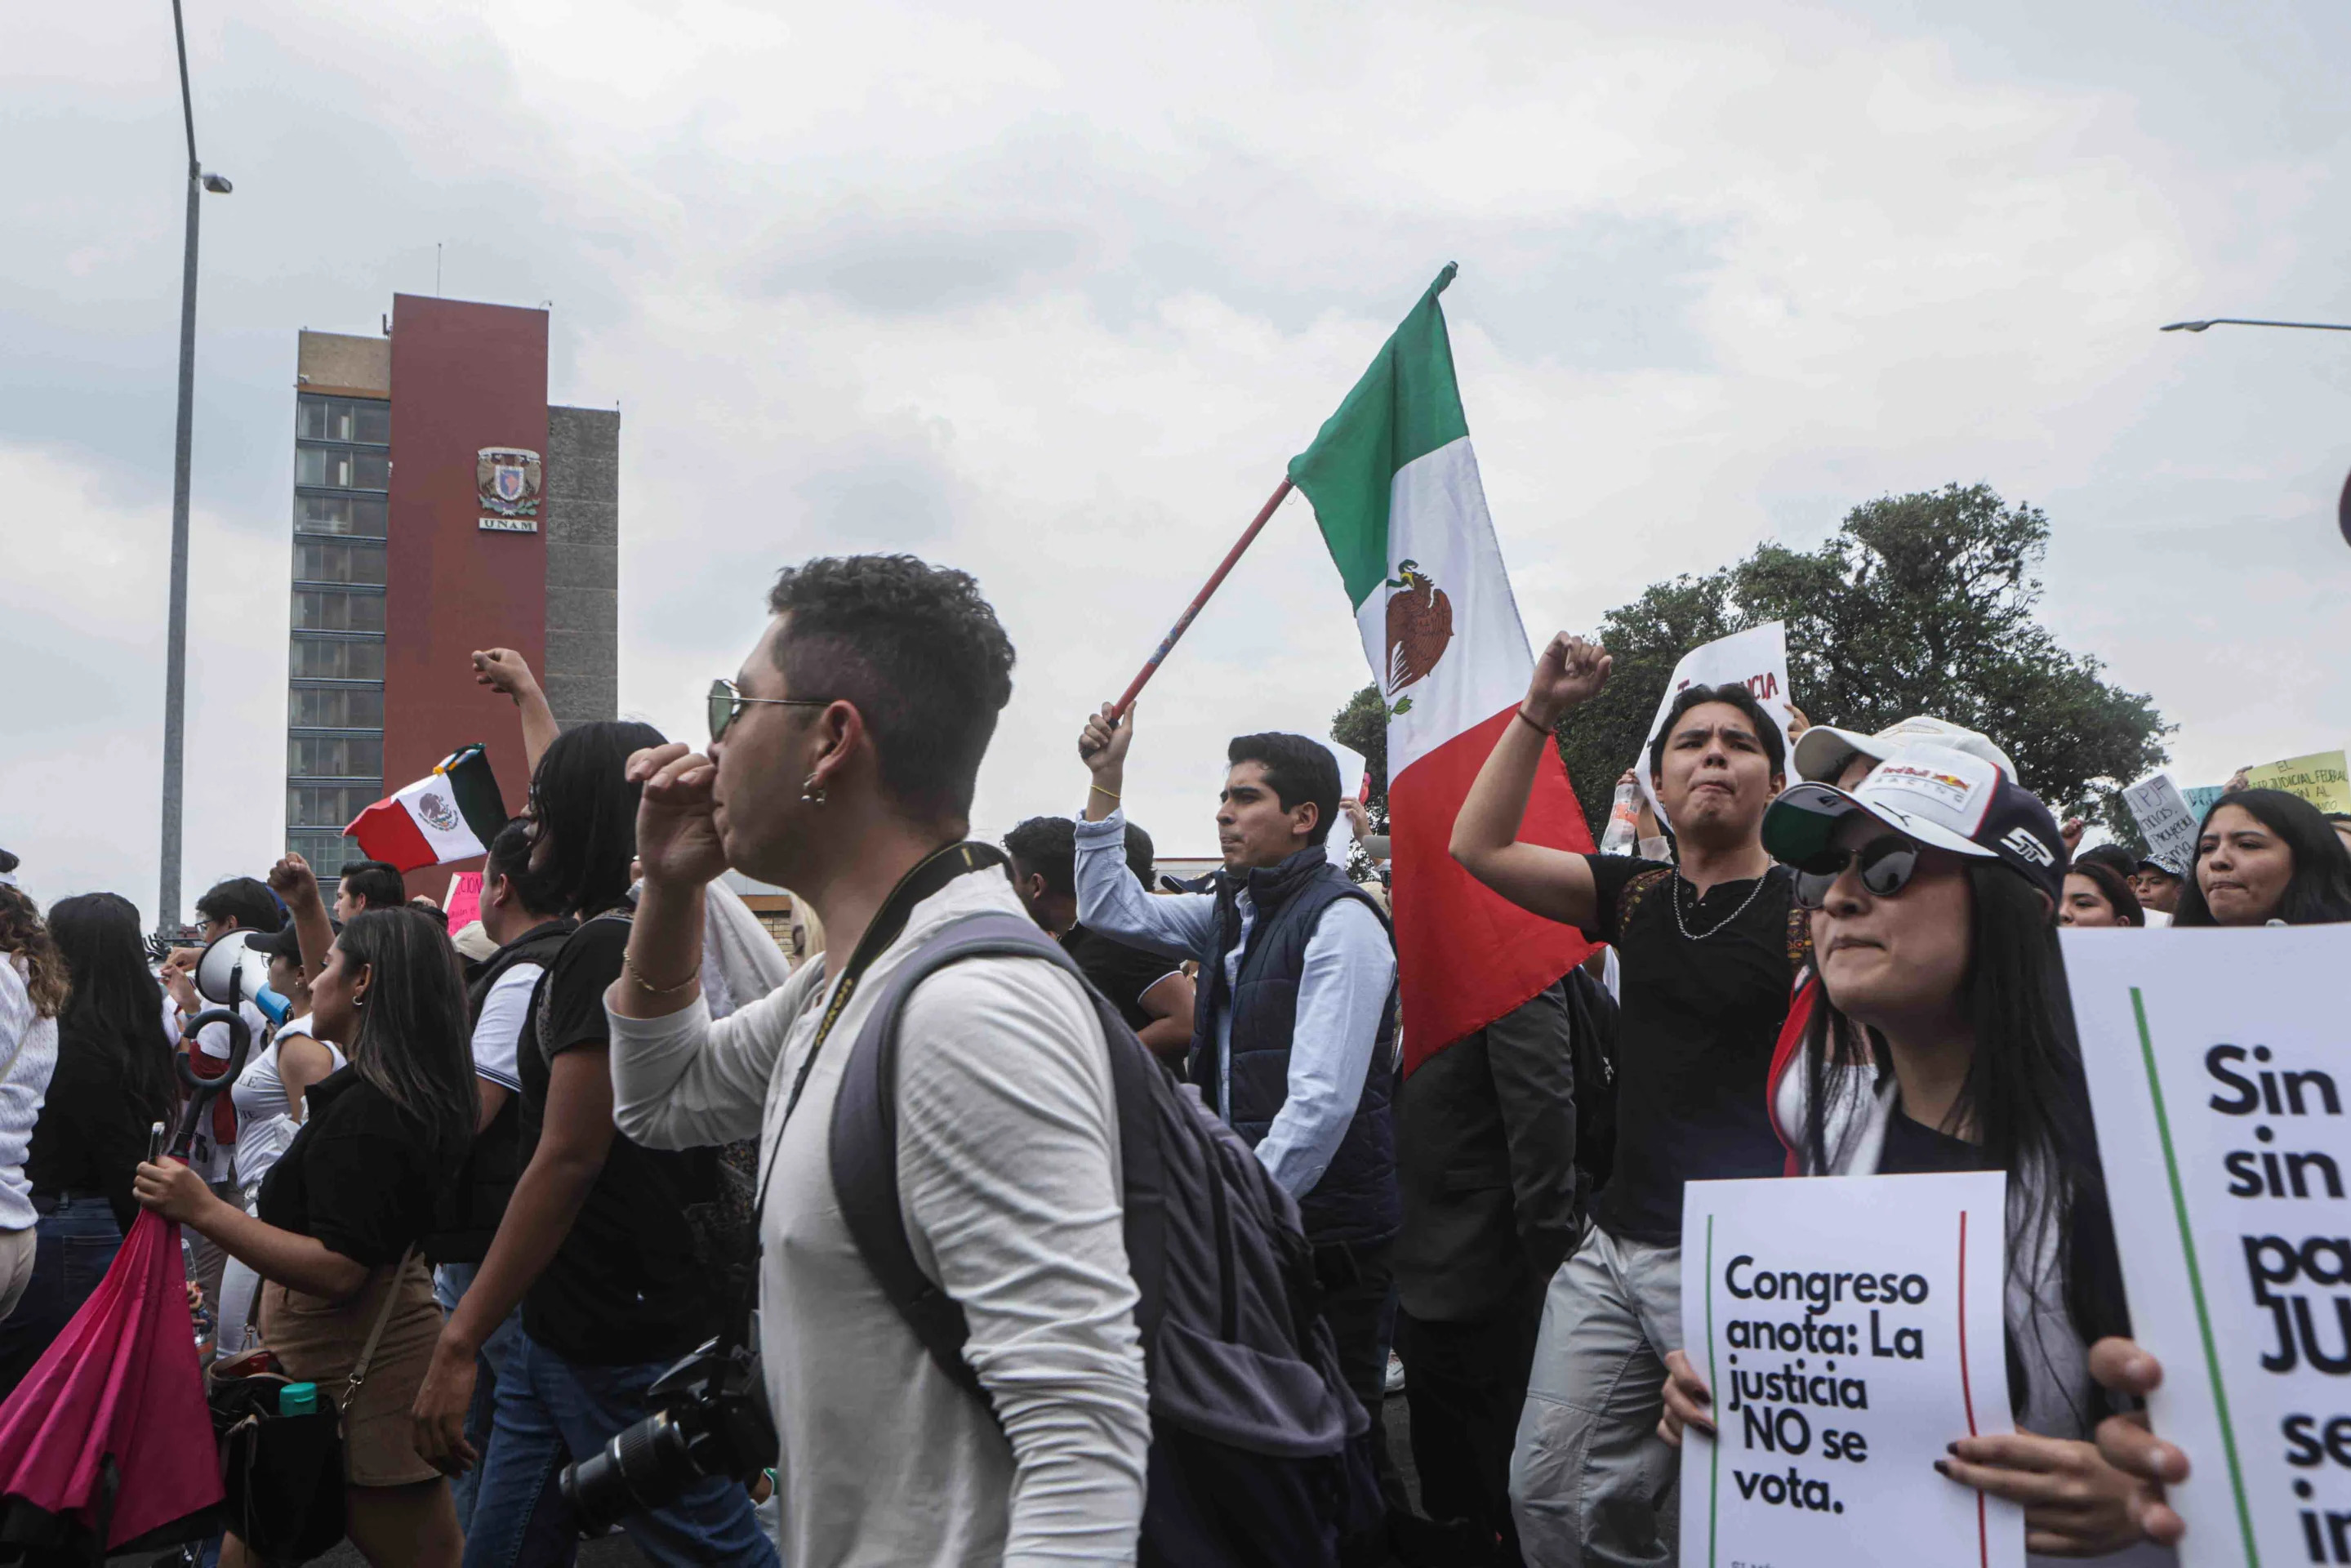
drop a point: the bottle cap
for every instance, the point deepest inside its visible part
(298, 1399)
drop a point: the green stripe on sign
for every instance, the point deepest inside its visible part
(1406, 406)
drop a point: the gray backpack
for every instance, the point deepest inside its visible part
(1259, 1454)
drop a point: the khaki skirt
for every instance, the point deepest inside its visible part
(318, 1340)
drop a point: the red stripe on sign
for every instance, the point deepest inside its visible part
(387, 833)
(1465, 955)
(1967, 1391)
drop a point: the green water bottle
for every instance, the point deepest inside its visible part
(298, 1399)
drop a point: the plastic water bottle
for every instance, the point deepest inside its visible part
(1624, 828)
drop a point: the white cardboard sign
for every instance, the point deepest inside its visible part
(2164, 821)
(1756, 658)
(1850, 1328)
(2222, 1092)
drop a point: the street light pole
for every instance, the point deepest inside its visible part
(175, 665)
(2247, 322)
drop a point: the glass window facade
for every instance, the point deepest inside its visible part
(317, 560)
(335, 756)
(360, 516)
(338, 659)
(330, 609)
(342, 468)
(326, 805)
(343, 419)
(327, 850)
(335, 707)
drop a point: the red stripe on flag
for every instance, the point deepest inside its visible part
(387, 833)
(1466, 955)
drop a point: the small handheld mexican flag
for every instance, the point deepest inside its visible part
(1394, 486)
(450, 814)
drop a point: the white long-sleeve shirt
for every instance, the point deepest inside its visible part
(1342, 988)
(28, 1055)
(1009, 1183)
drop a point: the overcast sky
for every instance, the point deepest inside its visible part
(1053, 292)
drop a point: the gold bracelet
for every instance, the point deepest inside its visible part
(1100, 790)
(629, 966)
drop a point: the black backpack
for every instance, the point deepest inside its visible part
(1591, 1046)
(1259, 1454)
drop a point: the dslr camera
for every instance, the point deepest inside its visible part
(710, 1418)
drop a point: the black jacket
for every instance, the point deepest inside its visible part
(1485, 1147)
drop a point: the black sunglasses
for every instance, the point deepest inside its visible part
(726, 705)
(1886, 864)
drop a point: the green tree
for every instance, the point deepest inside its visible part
(1362, 727)
(1919, 604)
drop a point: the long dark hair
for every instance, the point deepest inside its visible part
(2111, 887)
(585, 810)
(115, 1006)
(2319, 891)
(2024, 1096)
(412, 1037)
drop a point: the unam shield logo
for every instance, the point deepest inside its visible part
(438, 813)
(509, 480)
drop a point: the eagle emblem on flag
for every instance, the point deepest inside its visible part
(438, 813)
(1420, 626)
(509, 480)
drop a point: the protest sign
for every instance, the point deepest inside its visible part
(464, 904)
(2164, 821)
(2199, 797)
(1850, 1329)
(1756, 658)
(2317, 778)
(2217, 1073)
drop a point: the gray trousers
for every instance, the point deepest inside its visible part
(1591, 1482)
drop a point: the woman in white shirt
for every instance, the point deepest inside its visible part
(31, 991)
(269, 1099)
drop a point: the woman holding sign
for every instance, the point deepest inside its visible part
(2266, 857)
(1943, 1042)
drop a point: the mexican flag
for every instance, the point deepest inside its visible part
(1394, 486)
(450, 814)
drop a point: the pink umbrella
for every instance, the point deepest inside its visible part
(108, 1441)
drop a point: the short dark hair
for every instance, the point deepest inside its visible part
(1298, 770)
(917, 651)
(377, 885)
(1048, 846)
(243, 900)
(2113, 857)
(1139, 853)
(584, 811)
(509, 861)
(1732, 694)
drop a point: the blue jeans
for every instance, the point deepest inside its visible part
(74, 1247)
(450, 1284)
(552, 1411)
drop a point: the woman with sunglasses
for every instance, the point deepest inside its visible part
(2266, 858)
(1943, 1040)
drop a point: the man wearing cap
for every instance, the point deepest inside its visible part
(2158, 885)
(1708, 950)
(1827, 754)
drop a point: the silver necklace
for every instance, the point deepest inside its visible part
(1686, 935)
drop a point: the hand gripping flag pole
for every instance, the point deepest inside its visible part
(1183, 622)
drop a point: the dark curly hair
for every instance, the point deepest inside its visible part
(23, 934)
(916, 651)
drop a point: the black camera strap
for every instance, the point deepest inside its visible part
(935, 871)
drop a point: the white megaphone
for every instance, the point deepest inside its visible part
(232, 972)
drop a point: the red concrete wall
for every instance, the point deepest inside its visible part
(463, 376)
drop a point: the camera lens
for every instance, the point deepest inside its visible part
(644, 1468)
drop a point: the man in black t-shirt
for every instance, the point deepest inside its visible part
(1154, 996)
(1710, 950)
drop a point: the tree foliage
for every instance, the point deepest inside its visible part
(1919, 604)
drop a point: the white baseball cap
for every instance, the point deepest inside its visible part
(1823, 751)
(1938, 795)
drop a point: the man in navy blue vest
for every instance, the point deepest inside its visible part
(1293, 1030)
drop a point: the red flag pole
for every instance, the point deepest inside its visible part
(1183, 622)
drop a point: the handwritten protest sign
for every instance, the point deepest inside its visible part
(1850, 1328)
(2318, 778)
(2164, 821)
(1756, 658)
(2199, 797)
(2223, 1103)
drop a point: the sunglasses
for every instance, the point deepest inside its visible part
(726, 705)
(1886, 865)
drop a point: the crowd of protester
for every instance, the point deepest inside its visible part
(491, 1186)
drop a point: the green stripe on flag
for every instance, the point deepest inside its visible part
(1406, 406)
(475, 789)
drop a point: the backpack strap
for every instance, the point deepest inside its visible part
(863, 1151)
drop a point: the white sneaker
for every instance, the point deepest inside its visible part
(1396, 1373)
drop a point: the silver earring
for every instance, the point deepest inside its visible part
(812, 791)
